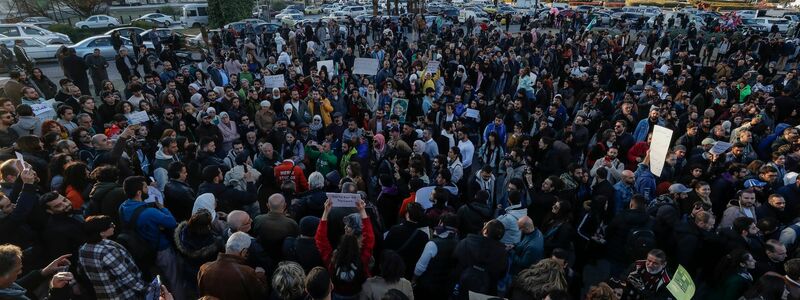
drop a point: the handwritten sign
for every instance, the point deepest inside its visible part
(433, 66)
(138, 117)
(328, 65)
(664, 69)
(274, 81)
(659, 147)
(640, 49)
(365, 66)
(720, 147)
(44, 111)
(344, 199)
(681, 286)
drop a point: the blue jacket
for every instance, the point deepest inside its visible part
(154, 225)
(501, 133)
(622, 196)
(528, 251)
(645, 182)
(643, 128)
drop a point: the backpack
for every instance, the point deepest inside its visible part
(474, 278)
(143, 253)
(640, 241)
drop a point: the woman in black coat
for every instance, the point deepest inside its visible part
(557, 228)
(45, 85)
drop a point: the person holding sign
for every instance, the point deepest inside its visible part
(349, 264)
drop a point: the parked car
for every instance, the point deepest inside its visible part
(36, 49)
(287, 12)
(194, 15)
(150, 23)
(269, 27)
(313, 10)
(125, 31)
(355, 11)
(291, 20)
(329, 8)
(43, 22)
(158, 18)
(98, 21)
(41, 34)
(338, 16)
(86, 47)
(783, 24)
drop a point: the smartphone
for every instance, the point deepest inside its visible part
(154, 289)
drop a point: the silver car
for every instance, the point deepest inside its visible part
(86, 47)
(36, 49)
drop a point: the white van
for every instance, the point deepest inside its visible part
(194, 15)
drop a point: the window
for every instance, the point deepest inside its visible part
(31, 43)
(9, 31)
(101, 42)
(103, 19)
(31, 30)
(191, 13)
(92, 19)
(201, 11)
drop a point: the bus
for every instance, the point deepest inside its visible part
(194, 15)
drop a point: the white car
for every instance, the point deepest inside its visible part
(291, 20)
(41, 34)
(36, 49)
(86, 47)
(98, 21)
(339, 16)
(783, 24)
(355, 11)
(160, 18)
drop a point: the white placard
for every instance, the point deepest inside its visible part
(21, 160)
(472, 113)
(659, 147)
(344, 199)
(640, 49)
(664, 69)
(366, 66)
(138, 117)
(638, 67)
(274, 81)
(433, 66)
(423, 196)
(328, 64)
(720, 147)
(44, 111)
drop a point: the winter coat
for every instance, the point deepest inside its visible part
(196, 249)
(28, 125)
(179, 198)
(228, 197)
(105, 198)
(235, 177)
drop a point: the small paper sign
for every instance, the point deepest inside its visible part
(659, 147)
(433, 66)
(328, 65)
(681, 286)
(138, 117)
(472, 113)
(274, 81)
(640, 49)
(21, 160)
(664, 69)
(720, 147)
(343, 199)
(638, 67)
(44, 111)
(366, 66)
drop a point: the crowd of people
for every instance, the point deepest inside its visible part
(519, 167)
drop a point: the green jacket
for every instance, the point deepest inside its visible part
(346, 161)
(325, 161)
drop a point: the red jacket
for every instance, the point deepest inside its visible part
(286, 170)
(326, 250)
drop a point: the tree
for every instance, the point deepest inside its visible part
(221, 12)
(86, 8)
(35, 7)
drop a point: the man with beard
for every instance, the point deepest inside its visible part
(63, 233)
(649, 277)
(646, 126)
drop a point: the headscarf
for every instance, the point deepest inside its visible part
(208, 202)
(380, 142)
(419, 147)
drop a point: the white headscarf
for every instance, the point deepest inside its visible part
(208, 202)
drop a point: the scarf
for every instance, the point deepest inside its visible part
(380, 143)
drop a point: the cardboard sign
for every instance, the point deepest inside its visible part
(720, 147)
(365, 66)
(274, 81)
(681, 286)
(344, 199)
(659, 147)
(638, 67)
(138, 117)
(433, 66)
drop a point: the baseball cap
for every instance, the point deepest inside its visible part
(678, 188)
(753, 182)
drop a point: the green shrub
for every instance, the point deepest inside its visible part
(76, 34)
(142, 24)
(170, 10)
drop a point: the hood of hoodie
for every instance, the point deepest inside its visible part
(102, 189)
(195, 247)
(488, 184)
(160, 155)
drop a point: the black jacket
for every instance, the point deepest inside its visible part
(619, 229)
(105, 198)
(63, 234)
(228, 198)
(15, 226)
(302, 250)
(480, 251)
(179, 199)
(408, 241)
